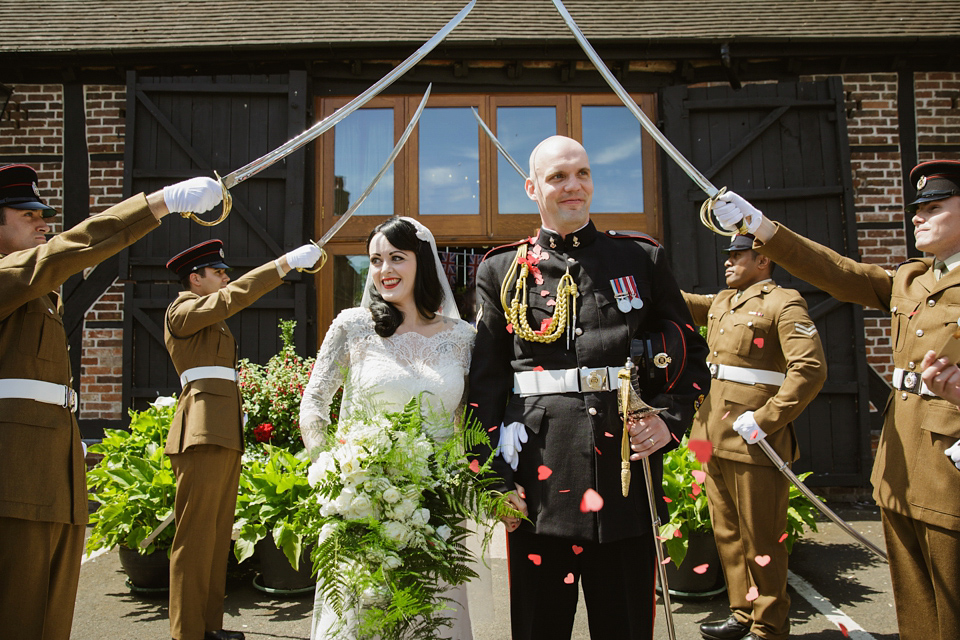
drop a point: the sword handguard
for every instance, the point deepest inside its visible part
(707, 208)
(227, 206)
(323, 260)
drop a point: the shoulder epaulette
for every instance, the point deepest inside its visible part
(633, 235)
(506, 246)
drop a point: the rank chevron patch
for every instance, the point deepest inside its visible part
(808, 330)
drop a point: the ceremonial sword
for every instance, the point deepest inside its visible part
(261, 163)
(326, 238)
(705, 185)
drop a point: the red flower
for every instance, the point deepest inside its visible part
(264, 432)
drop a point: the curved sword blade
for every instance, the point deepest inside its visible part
(332, 231)
(827, 511)
(497, 144)
(628, 102)
(327, 123)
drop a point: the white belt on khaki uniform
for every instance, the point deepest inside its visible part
(48, 392)
(582, 380)
(745, 375)
(199, 373)
(910, 381)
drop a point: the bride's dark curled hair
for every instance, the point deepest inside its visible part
(427, 291)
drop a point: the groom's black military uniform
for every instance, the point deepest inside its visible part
(625, 287)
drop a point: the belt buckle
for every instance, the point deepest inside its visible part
(69, 398)
(911, 382)
(714, 370)
(594, 379)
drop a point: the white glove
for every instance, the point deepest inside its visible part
(195, 195)
(748, 428)
(953, 452)
(731, 209)
(303, 257)
(511, 437)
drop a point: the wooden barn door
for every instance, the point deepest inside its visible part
(181, 127)
(783, 147)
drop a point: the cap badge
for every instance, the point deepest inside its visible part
(922, 182)
(221, 253)
(36, 191)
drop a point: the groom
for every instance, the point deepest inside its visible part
(544, 383)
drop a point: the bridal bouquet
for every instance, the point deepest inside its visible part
(389, 512)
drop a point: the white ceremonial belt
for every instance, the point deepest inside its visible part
(582, 380)
(910, 381)
(199, 373)
(746, 375)
(48, 392)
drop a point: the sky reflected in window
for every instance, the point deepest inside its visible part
(449, 162)
(612, 138)
(362, 144)
(519, 130)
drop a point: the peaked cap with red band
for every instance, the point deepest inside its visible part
(934, 180)
(205, 254)
(18, 189)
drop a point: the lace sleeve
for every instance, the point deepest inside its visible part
(327, 376)
(465, 337)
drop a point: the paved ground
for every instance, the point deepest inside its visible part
(834, 581)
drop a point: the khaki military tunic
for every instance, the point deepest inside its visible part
(763, 327)
(43, 490)
(917, 486)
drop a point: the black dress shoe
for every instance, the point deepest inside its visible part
(729, 629)
(222, 634)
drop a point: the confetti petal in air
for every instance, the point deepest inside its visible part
(564, 491)
(843, 630)
(696, 386)
(699, 476)
(725, 416)
(675, 438)
(474, 404)
(667, 500)
(758, 342)
(701, 569)
(510, 328)
(702, 449)
(752, 594)
(598, 451)
(492, 429)
(666, 560)
(608, 434)
(783, 537)
(535, 559)
(544, 293)
(696, 490)
(551, 303)
(678, 534)
(592, 501)
(577, 549)
(762, 560)
(543, 472)
(569, 579)
(538, 368)
(475, 466)
(691, 328)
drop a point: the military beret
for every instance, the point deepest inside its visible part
(935, 180)
(18, 189)
(740, 243)
(205, 254)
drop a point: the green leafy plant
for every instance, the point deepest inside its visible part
(272, 490)
(687, 504)
(271, 396)
(133, 482)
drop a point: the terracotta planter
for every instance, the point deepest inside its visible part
(276, 574)
(146, 573)
(684, 582)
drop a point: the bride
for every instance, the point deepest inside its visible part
(406, 338)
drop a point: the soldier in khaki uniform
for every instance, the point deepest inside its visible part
(768, 364)
(915, 481)
(43, 489)
(206, 437)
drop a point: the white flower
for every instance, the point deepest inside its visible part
(391, 495)
(444, 532)
(164, 401)
(326, 531)
(420, 517)
(343, 501)
(405, 509)
(320, 467)
(392, 561)
(397, 532)
(361, 506)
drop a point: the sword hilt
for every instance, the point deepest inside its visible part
(707, 208)
(227, 206)
(323, 260)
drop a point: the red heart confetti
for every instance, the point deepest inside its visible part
(598, 451)
(762, 560)
(564, 491)
(544, 293)
(783, 537)
(569, 579)
(758, 342)
(510, 328)
(608, 434)
(666, 560)
(577, 549)
(538, 368)
(545, 324)
(725, 416)
(696, 386)
(699, 476)
(535, 559)
(592, 501)
(702, 449)
(475, 466)
(551, 303)
(843, 630)
(474, 404)
(666, 499)
(752, 594)
(543, 472)
(701, 569)
(678, 534)
(676, 439)
(696, 489)
(492, 429)
(691, 328)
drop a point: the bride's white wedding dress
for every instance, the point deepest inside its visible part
(390, 371)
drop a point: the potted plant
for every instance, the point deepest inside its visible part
(136, 490)
(688, 535)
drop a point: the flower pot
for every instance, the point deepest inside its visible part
(684, 582)
(276, 574)
(146, 573)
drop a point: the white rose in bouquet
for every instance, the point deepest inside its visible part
(392, 561)
(391, 495)
(326, 531)
(404, 510)
(397, 532)
(320, 467)
(444, 532)
(420, 517)
(361, 507)
(343, 501)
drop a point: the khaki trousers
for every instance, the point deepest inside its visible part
(39, 574)
(925, 570)
(207, 480)
(748, 509)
